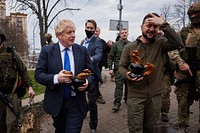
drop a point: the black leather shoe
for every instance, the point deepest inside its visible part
(125, 99)
(164, 118)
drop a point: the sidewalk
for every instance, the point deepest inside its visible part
(110, 122)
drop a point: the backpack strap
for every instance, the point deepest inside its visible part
(15, 86)
(10, 49)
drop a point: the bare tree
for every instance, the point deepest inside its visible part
(45, 10)
(176, 14)
(180, 12)
(15, 37)
(165, 11)
(168, 15)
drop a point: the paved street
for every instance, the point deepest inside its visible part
(110, 122)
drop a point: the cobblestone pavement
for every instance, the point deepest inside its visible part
(110, 122)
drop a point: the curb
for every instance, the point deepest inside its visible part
(37, 99)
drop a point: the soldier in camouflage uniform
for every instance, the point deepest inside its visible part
(8, 74)
(114, 56)
(191, 38)
(48, 39)
(168, 79)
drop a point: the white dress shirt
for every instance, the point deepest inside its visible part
(72, 66)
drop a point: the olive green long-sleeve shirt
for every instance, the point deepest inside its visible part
(151, 52)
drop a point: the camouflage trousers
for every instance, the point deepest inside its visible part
(8, 121)
(182, 92)
(166, 95)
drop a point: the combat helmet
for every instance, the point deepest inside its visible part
(2, 35)
(194, 9)
(48, 35)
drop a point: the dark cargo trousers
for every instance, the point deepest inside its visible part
(119, 82)
(8, 121)
(143, 113)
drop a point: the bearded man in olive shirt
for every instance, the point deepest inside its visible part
(144, 93)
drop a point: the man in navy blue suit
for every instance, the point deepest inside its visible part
(94, 47)
(67, 107)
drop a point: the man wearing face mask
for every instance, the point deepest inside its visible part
(94, 47)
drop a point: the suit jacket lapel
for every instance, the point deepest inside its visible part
(76, 58)
(57, 56)
(91, 42)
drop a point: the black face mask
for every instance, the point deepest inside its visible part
(89, 33)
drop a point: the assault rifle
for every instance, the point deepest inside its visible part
(193, 92)
(6, 101)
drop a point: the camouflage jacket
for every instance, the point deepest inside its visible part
(191, 38)
(11, 63)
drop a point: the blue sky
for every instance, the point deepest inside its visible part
(102, 11)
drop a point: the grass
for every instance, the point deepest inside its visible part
(38, 88)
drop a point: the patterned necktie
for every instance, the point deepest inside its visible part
(67, 92)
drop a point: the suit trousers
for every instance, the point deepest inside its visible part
(92, 104)
(70, 118)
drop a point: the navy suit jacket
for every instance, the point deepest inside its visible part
(49, 64)
(95, 49)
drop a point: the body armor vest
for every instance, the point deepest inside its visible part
(192, 41)
(7, 72)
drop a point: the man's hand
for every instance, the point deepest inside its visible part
(133, 79)
(85, 85)
(65, 76)
(111, 72)
(155, 20)
(185, 67)
(31, 93)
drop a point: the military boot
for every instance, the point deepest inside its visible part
(164, 117)
(100, 100)
(182, 129)
(115, 108)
